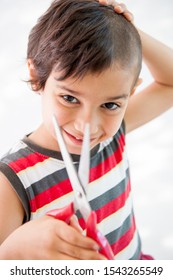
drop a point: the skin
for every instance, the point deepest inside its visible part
(88, 99)
(100, 100)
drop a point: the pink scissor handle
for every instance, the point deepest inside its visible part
(94, 233)
(63, 214)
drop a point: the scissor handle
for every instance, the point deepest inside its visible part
(63, 214)
(94, 233)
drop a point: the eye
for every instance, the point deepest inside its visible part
(70, 99)
(110, 106)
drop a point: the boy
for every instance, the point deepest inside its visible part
(84, 61)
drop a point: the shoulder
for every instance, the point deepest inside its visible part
(11, 209)
(12, 188)
(17, 150)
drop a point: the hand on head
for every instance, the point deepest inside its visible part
(119, 8)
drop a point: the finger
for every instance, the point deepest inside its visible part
(119, 8)
(103, 2)
(109, 3)
(69, 251)
(69, 234)
(75, 224)
(129, 16)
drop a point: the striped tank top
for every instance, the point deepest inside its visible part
(40, 179)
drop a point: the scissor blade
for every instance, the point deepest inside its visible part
(80, 198)
(84, 163)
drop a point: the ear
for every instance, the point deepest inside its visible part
(31, 69)
(138, 83)
(33, 76)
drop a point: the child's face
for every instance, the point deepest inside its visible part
(100, 100)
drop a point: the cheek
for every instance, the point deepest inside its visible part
(51, 107)
(63, 115)
(112, 127)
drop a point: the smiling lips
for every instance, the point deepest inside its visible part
(76, 140)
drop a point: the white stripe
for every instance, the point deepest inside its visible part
(108, 180)
(40, 170)
(109, 224)
(116, 220)
(129, 251)
(104, 144)
(95, 189)
(17, 146)
(56, 204)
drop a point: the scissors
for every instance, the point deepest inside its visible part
(79, 183)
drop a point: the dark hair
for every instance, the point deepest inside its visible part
(80, 36)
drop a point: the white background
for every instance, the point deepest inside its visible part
(150, 148)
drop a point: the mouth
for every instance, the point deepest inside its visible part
(74, 139)
(77, 140)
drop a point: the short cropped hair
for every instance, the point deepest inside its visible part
(82, 36)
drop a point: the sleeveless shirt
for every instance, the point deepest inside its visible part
(39, 177)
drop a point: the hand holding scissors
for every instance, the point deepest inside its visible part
(79, 183)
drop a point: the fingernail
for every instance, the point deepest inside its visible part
(96, 247)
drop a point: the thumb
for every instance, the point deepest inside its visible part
(75, 224)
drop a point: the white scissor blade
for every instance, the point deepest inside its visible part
(84, 164)
(80, 197)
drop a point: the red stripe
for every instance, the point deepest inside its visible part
(111, 207)
(109, 163)
(125, 239)
(114, 205)
(32, 159)
(50, 195)
(64, 187)
(24, 163)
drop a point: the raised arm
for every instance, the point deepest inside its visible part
(156, 98)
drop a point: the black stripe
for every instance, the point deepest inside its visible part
(61, 175)
(108, 196)
(113, 236)
(109, 150)
(24, 152)
(47, 182)
(54, 154)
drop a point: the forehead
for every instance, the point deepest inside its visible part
(110, 81)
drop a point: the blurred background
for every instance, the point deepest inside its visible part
(150, 147)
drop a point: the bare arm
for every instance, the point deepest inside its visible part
(158, 96)
(43, 238)
(159, 59)
(11, 209)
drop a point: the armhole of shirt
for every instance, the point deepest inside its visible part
(18, 187)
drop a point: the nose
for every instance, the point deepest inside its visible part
(87, 117)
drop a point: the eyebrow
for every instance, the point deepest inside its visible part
(70, 90)
(121, 96)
